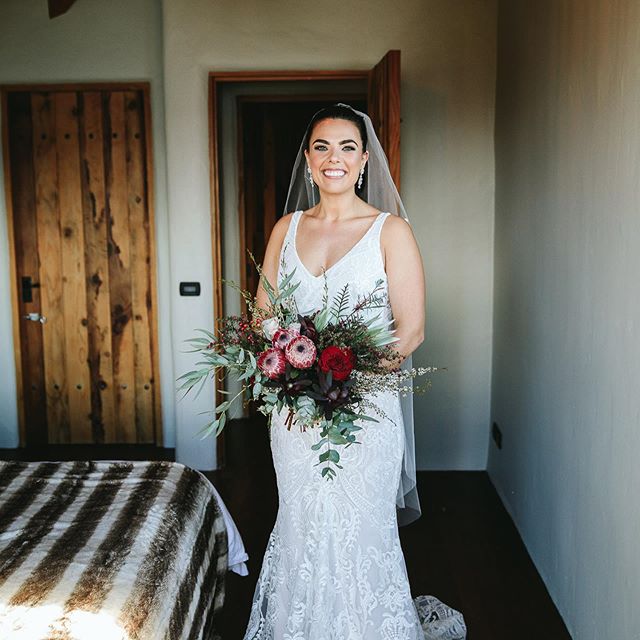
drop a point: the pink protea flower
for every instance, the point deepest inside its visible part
(272, 363)
(282, 337)
(301, 352)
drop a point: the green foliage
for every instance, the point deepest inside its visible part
(340, 303)
(314, 398)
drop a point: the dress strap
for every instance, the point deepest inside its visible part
(381, 218)
(376, 229)
(291, 232)
(286, 250)
(293, 225)
(374, 238)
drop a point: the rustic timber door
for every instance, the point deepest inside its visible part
(78, 180)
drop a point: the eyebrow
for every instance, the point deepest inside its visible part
(341, 141)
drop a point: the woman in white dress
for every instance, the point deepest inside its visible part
(334, 568)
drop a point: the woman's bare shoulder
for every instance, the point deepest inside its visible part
(396, 236)
(286, 219)
(395, 228)
(281, 226)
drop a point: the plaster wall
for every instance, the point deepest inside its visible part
(566, 363)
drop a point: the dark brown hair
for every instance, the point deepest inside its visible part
(337, 112)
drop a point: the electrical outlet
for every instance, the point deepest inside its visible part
(496, 434)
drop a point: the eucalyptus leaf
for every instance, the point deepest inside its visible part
(247, 374)
(223, 406)
(221, 422)
(336, 438)
(368, 418)
(318, 444)
(208, 429)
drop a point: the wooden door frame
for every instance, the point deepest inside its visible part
(215, 81)
(145, 88)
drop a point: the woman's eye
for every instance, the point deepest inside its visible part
(323, 147)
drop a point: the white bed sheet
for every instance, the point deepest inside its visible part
(237, 554)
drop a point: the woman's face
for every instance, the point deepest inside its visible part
(335, 155)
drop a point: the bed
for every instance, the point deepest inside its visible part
(112, 550)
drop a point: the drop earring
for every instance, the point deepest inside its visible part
(311, 182)
(361, 178)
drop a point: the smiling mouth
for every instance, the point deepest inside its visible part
(334, 173)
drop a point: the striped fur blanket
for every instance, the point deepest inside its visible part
(109, 550)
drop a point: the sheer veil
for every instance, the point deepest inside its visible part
(379, 190)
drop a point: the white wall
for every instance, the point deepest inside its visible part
(566, 369)
(96, 41)
(448, 65)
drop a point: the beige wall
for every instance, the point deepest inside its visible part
(566, 369)
(448, 65)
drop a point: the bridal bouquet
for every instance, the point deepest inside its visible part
(321, 365)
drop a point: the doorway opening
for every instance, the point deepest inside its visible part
(257, 120)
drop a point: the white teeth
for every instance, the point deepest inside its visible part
(334, 173)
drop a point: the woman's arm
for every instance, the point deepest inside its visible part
(406, 282)
(272, 258)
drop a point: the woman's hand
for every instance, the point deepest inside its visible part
(392, 365)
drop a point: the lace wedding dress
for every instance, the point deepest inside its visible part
(334, 568)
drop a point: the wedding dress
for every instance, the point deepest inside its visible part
(334, 568)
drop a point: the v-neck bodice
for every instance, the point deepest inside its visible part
(361, 267)
(294, 234)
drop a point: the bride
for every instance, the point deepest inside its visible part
(334, 568)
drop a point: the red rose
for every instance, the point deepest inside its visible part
(339, 361)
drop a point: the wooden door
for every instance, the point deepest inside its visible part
(78, 189)
(384, 108)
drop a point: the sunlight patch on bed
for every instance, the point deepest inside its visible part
(27, 623)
